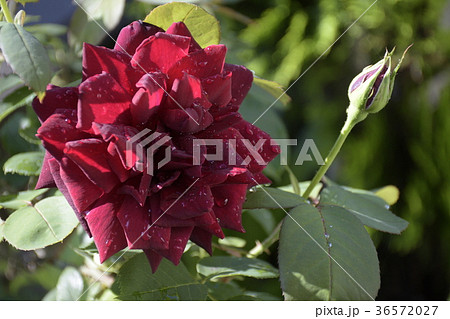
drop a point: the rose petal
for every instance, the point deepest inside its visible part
(241, 82)
(55, 98)
(148, 55)
(102, 100)
(115, 162)
(201, 64)
(165, 179)
(179, 28)
(133, 34)
(153, 258)
(139, 231)
(202, 238)
(147, 100)
(98, 59)
(55, 170)
(178, 240)
(79, 188)
(118, 136)
(218, 89)
(90, 156)
(59, 129)
(228, 201)
(106, 228)
(182, 204)
(254, 135)
(186, 89)
(45, 177)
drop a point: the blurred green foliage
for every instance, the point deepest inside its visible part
(407, 144)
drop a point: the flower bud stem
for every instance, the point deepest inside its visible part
(6, 11)
(352, 119)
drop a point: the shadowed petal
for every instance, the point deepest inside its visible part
(178, 240)
(80, 189)
(133, 34)
(147, 100)
(55, 98)
(228, 200)
(195, 202)
(55, 170)
(106, 228)
(153, 258)
(45, 177)
(140, 232)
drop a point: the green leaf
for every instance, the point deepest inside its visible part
(50, 296)
(26, 56)
(8, 83)
(108, 11)
(14, 101)
(204, 27)
(70, 285)
(169, 282)
(224, 266)
(294, 181)
(48, 29)
(46, 223)
(255, 296)
(22, 199)
(28, 164)
(269, 197)
(2, 224)
(223, 291)
(366, 206)
(82, 29)
(275, 89)
(326, 254)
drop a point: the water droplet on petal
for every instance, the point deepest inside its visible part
(222, 202)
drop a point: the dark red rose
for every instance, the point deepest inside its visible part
(161, 82)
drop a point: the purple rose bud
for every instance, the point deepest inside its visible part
(371, 90)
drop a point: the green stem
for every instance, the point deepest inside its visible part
(261, 247)
(345, 131)
(6, 11)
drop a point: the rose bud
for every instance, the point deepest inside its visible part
(371, 90)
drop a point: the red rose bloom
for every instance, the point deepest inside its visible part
(161, 82)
